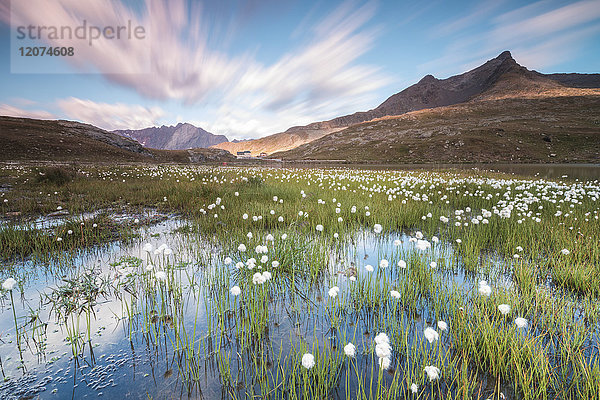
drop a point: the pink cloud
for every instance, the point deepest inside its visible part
(110, 116)
(12, 111)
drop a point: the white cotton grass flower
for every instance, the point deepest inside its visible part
(228, 260)
(161, 276)
(377, 228)
(383, 350)
(484, 289)
(334, 291)
(369, 268)
(504, 309)
(308, 361)
(148, 247)
(382, 338)
(258, 278)
(422, 245)
(430, 334)
(419, 235)
(395, 294)
(350, 350)
(384, 263)
(168, 252)
(9, 284)
(275, 264)
(397, 242)
(385, 362)
(242, 247)
(442, 326)
(565, 251)
(270, 238)
(236, 291)
(284, 236)
(433, 265)
(435, 239)
(402, 264)
(432, 372)
(239, 265)
(520, 322)
(319, 228)
(414, 388)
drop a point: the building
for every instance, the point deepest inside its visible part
(244, 154)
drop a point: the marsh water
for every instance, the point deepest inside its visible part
(122, 360)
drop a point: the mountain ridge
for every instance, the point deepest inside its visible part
(173, 137)
(496, 77)
(27, 139)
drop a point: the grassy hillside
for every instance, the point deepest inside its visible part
(26, 139)
(558, 128)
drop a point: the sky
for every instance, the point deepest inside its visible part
(247, 69)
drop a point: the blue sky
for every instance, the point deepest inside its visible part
(247, 69)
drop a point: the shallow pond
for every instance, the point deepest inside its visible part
(130, 343)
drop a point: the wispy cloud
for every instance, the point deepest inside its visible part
(316, 79)
(480, 12)
(540, 35)
(313, 82)
(14, 111)
(110, 116)
(531, 28)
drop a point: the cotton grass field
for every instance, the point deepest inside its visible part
(267, 283)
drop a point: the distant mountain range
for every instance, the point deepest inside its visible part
(179, 137)
(501, 77)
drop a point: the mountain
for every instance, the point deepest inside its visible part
(287, 140)
(559, 125)
(500, 77)
(179, 137)
(25, 139)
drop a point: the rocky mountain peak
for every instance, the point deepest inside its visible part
(174, 137)
(428, 79)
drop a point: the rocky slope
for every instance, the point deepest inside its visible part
(179, 137)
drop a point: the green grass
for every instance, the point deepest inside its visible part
(191, 312)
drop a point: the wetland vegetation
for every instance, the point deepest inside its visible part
(161, 281)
